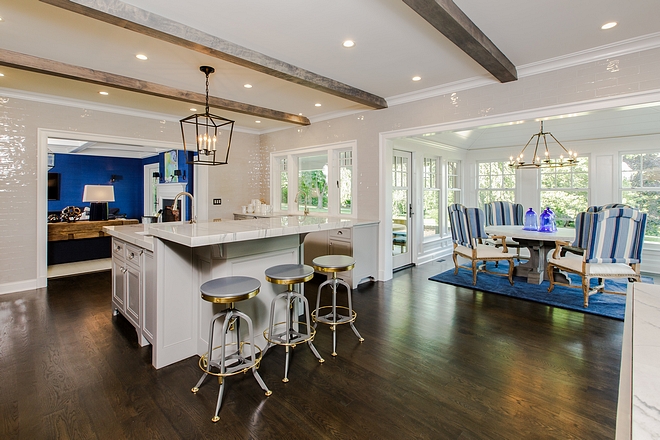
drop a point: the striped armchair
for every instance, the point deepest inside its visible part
(612, 240)
(504, 213)
(468, 233)
(578, 248)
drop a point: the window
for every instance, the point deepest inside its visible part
(566, 191)
(284, 186)
(453, 187)
(346, 182)
(640, 188)
(312, 192)
(497, 181)
(320, 180)
(431, 197)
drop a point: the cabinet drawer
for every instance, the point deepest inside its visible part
(133, 254)
(339, 234)
(118, 248)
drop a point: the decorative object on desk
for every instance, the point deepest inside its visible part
(547, 161)
(171, 161)
(176, 176)
(70, 214)
(603, 304)
(115, 177)
(211, 134)
(547, 220)
(98, 197)
(531, 221)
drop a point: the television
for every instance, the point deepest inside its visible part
(53, 186)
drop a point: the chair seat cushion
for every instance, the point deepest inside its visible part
(484, 251)
(594, 269)
(510, 242)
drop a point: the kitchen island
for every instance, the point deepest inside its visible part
(159, 268)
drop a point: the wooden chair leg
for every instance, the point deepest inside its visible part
(455, 263)
(551, 277)
(585, 290)
(510, 271)
(474, 272)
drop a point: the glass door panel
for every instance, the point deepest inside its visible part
(401, 208)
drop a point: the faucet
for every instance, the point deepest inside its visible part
(193, 217)
(295, 200)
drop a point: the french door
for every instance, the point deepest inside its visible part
(401, 208)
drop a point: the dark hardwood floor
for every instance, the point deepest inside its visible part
(438, 362)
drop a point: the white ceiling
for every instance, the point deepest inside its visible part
(393, 43)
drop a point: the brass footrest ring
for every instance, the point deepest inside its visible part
(341, 319)
(203, 361)
(297, 339)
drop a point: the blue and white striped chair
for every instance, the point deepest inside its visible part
(468, 233)
(612, 240)
(505, 213)
(578, 248)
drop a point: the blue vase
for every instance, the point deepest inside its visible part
(546, 221)
(553, 221)
(531, 221)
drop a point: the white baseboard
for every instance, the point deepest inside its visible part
(18, 286)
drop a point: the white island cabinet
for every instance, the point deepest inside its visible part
(173, 317)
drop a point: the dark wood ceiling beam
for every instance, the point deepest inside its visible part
(452, 22)
(62, 70)
(144, 22)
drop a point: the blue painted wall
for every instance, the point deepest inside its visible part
(76, 171)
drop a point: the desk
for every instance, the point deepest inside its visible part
(80, 241)
(538, 244)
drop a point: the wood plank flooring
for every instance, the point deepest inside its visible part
(438, 362)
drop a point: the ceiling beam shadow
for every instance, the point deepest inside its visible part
(144, 22)
(452, 22)
(55, 68)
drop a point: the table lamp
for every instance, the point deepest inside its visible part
(98, 197)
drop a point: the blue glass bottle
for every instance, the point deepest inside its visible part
(531, 221)
(546, 221)
(553, 221)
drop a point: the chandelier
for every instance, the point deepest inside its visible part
(210, 134)
(565, 159)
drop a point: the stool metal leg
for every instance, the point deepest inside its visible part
(350, 307)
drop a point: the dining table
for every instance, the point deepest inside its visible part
(538, 243)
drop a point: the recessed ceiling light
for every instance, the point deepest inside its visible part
(416, 78)
(248, 86)
(348, 43)
(193, 109)
(141, 56)
(2, 74)
(258, 122)
(103, 93)
(317, 104)
(609, 25)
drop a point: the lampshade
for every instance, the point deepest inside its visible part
(99, 193)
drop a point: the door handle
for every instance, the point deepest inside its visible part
(410, 211)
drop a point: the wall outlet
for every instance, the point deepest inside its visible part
(217, 201)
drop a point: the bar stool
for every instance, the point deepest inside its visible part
(333, 264)
(229, 290)
(289, 333)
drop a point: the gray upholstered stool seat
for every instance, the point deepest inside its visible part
(334, 314)
(291, 331)
(233, 357)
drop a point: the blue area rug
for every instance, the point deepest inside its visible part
(603, 304)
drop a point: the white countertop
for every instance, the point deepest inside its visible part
(227, 231)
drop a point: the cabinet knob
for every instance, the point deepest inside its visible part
(339, 233)
(131, 256)
(123, 269)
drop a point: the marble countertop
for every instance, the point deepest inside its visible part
(227, 231)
